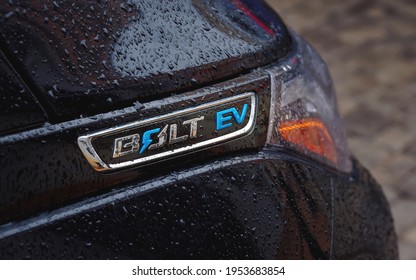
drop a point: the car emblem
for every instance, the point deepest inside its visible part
(174, 133)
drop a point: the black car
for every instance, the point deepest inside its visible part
(177, 129)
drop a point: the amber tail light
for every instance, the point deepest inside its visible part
(304, 115)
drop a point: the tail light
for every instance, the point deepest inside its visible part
(304, 114)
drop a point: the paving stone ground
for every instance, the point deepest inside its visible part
(370, 49)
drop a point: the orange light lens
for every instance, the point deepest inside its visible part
(310, 134)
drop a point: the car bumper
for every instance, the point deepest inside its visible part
(263, 205)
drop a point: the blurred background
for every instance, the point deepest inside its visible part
(370, 49)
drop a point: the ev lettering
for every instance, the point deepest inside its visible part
(225, 117)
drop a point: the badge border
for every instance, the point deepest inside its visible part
(85, 141)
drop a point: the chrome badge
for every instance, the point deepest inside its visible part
(170, 134)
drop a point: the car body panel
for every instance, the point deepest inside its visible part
(19, 108)
(98, 70)
(265, 205)
(44, 167)
(84, 57)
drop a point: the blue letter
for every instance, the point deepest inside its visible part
(146, 141)
(240, 118)
(221, 119)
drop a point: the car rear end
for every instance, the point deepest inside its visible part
(175, 130)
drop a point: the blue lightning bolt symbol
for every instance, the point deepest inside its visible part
(146, 141)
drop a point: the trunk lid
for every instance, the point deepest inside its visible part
(86, 57)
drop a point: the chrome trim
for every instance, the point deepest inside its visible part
(85, 141)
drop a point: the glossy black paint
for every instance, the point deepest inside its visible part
(44, 168)
(88, 57)
(260, 206)
(232, 200)
(363, 224)
(18, 108)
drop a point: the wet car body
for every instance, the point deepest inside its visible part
(98, 155)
